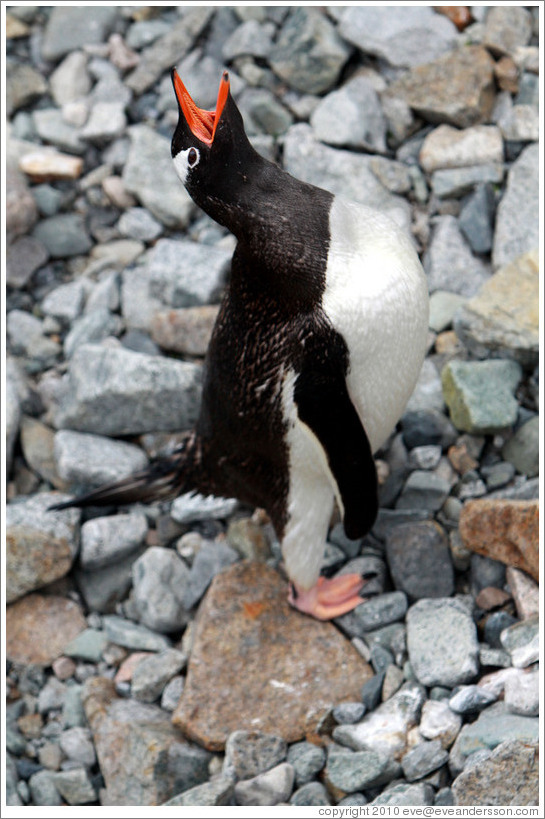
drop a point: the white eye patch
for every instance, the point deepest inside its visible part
(184, 161)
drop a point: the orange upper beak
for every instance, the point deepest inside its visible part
(202, 123)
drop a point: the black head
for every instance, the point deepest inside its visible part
(210, 149)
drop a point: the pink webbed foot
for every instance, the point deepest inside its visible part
(328, 598)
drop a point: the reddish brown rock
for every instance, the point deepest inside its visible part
(186, 330)
(257, 664)
(39, 627)
(460, 15)
(505, 530)
(491, 598)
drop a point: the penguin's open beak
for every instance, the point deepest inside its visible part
(202, 123)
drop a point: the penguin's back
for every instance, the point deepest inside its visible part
(376, 298)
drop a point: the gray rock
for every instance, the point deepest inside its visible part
(26, 337)
(70, 81)
(307, 760)
(419, 794)
(351, 116)
(103, 588)
(51, 696)
(93, 327)
(352, 799)
(113, 391)
(506, 28)
(419, 560)
(263, 113)
(249, 753)
(77, 745)
(43, 790)
(151, 674)
(150, 176)
(516, 226)
(137, 306)
(469, 699)
(427, 395)
(107, 540)
(347, 713)
(442, 642)
(376, 612)
(344, 173)
(138, 223)
(479, 394)
(72, 712)
(21, 210)
(519, 123)
(423, 759)
(448, 147)
(189, 764)
(70, 27)
(269, 788)
(24, 85)
(172, 692)
(308, 54)
(411, 36)
(52, 128)
(23, 258)
(88, 645)
(508, 776)
(209, 560)
(160, 581)
(358, 770)
(494, 657)
(425, 457)
(133, 635)
(494, 725)
(522, 693)
(522, 450)
(145, 32)
(313, 793)
(12, 410)
(449, 262)
(106, 121)
(194, 507)
(439, 722)
(65, 302)
(218, 791)
(423, 490)
(249, 39)
(395, 176)
(476, 218)
(205, 269)
(450, 183)
(63, 235)
(105, 293)
(521, 640)
(384, 730)
(87, 459)
(443, 307)
(74, 786)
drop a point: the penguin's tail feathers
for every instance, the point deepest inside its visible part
(165, 478)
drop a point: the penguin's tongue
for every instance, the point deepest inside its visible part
(203, 123)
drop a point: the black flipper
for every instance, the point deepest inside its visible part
(165, 477)
(324, 405)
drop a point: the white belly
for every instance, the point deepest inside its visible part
(376, 298)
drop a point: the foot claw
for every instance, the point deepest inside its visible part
(328, 598)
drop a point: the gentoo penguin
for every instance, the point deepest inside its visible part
(317, 347)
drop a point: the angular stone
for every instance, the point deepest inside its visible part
(136, 746)
(448, 147)
(438, 721)
(70, 27)
(88, 645)
(442, 642)
(270, 788)
(503, 317)
(52, 128)
(150, 176)
(193, 507)
(411, 36)
(455, 182)
(70, 81)
(479, 394)
(351, 116)
(351, 771)
(494, 726)
(419, 794)
(187, 331)
(427, 394)
(26, 337)
(24, 85)
(106, 121)
(423, 759)
(37, 441)
(507, 28)
(249, 39)
(90, 460)
(522, 450)
(282, 690)
(307, 760)
(160, 580)
(313, 793)
(218, 791)
(107, 540)
(64, 235)
(112, 391)
(46, 164)
(74, 786)
(517, 228)
(23, 258)
(263, 113)
(151, 674)
(522, 693)
(525, 592)
(509, 776)
(132, 635)
(76, 744)
(449, 263)
(308, 54)
(470, 699)
(38, 628)
(138, 223)
(521, 640)
(457, 88)
(423, 490)
(186, 274)
(249, 753)
(505, 530)
(419, 560)
(103, 588)
(374, 613)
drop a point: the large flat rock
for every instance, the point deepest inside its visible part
(258, 664)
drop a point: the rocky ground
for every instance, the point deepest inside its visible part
(151, 656)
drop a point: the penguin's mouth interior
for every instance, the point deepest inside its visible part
(202, 123)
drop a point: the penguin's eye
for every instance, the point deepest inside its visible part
(193, 157)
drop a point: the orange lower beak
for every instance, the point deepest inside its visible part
(202, 123)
